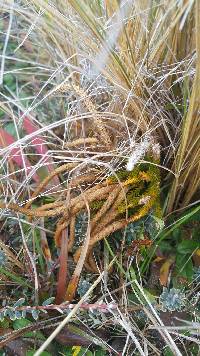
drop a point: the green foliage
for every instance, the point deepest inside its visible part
(182, 239)
(121, 71)
(22, 323)
(187, 247)
(184, 267)
(15, 277)
(184, 252)
(9, 81)
(4, 324)
(136, 230)
(194, 349)
(167, 351)
(190, 216)
(10, 128)
(13, 312)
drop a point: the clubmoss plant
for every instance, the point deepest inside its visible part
(3, 258)
(172, 299)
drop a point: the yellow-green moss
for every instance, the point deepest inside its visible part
(143, 183)
(96, 205)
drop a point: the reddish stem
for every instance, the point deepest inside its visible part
(62, 275)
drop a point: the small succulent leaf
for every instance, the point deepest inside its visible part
(3, 258)
(44, 311)
(29, 310)
(18, 314)
(24, 313)
(1, 316)
(35, 314)
(11, 314)
(19, 303)
(48, 301)
(59, 310)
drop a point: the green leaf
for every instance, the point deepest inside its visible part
(2, 113)
(100, 353)
(32, 353)
(24, 313)
(183, 220)
(9, 79)
(132, 274)
(176, 234)
(1, 317)
(184, 266)
(165, 247)
(21, 323)
(14, 277)
(150, 296)
(195, 233)
(195, 217)
(4, 324)
(194, 350)
(187, 246)
(167, 352)
(10, 128)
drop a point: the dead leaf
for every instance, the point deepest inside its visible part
(196, 258)
(164, 270)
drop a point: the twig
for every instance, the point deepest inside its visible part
(68, 317)
(103, 307)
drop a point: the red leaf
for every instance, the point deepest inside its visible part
(15, 154)
(40, 146)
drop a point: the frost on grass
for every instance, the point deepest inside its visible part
(138, 152)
